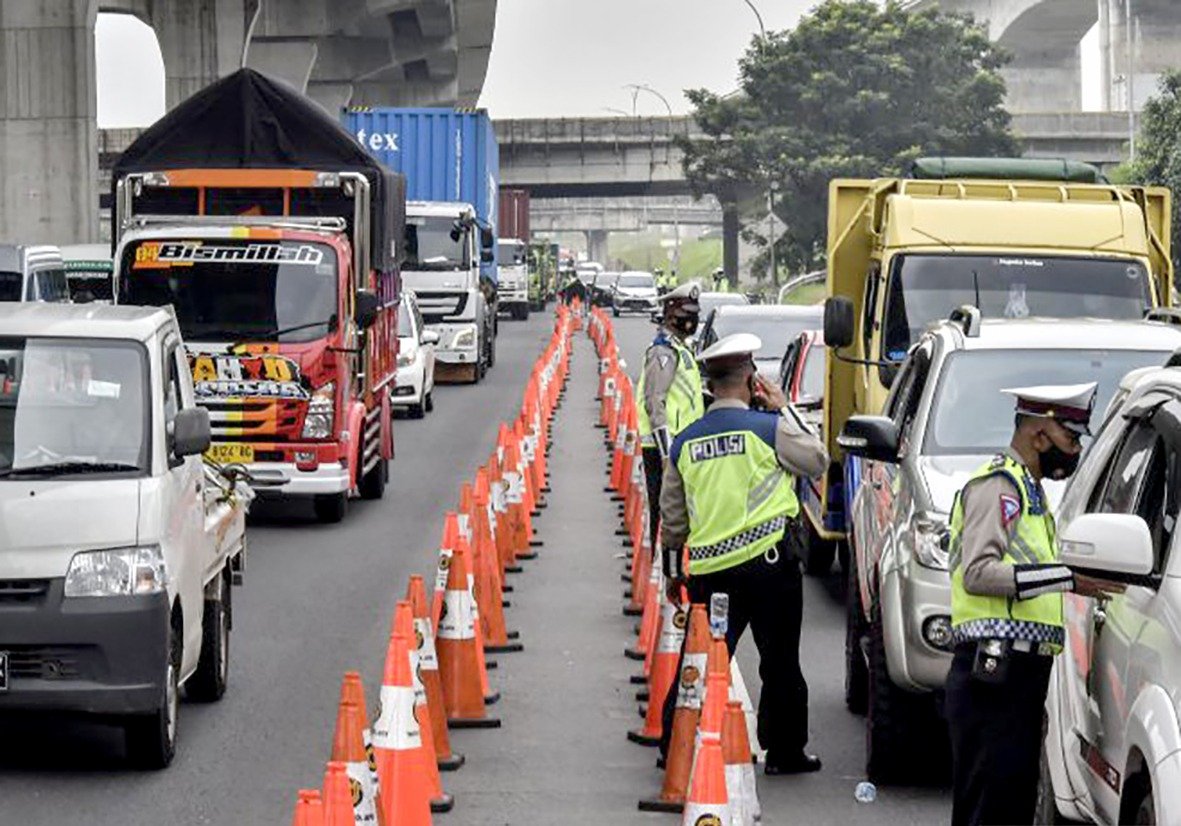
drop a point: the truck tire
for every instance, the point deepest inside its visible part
(492, 351)
(856, 672)
(373, 483)
(208, 683)
(520, 312)
(151, 738)
(818, 551)
(330, 508)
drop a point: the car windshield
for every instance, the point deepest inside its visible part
(10, 286)
(925, 288)
(510, 253)
(435, 243)
(970, 414)
(775, 331)
(812, 382)
(637, 281)
(71, 406)
(229, 290)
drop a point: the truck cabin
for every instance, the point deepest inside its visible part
(32, 273)
(511, 252)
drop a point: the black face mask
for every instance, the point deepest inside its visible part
(1057, 464)
(685, 325)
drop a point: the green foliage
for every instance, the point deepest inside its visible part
(1158, 152)
(644, 251)
(856, 89)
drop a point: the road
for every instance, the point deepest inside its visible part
(318, 599)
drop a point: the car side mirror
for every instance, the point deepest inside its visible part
(870, 437)
(1108, 545)
(430, 337)
(838, 321)
(191, 433)
(365, 309)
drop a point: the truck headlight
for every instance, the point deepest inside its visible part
(317, 424)
(466, 337)
(929, 538)
(118, 572)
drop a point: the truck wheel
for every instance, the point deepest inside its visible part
(856, 673)
(615, 312)
(151, 738)
(373, 483)
(330, 508)
(492, 352)
(818, 552)
(208, 683)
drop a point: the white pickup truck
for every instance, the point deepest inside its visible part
(118, 544)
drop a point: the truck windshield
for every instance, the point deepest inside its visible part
(926, 288)
(72, 406)
(10, 286)
(970, 414)
(435, 243)
(231, 290)
(510, 253)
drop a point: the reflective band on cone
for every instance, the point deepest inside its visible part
(397, 743)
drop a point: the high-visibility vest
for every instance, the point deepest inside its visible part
(975, 617)
(683, 404)
(738, 496)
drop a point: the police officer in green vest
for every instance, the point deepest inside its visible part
(668, 396)
(1006, 607)
(729, 495)
(721, 282)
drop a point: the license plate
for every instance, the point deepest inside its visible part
(3, 670)
(228, 454)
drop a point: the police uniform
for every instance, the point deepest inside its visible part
(1006, 613)
(729, 495)
(721, 282)
(668, 397)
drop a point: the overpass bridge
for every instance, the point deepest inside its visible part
(365, 52)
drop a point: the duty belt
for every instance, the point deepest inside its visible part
(1026, 631)
(738, 540)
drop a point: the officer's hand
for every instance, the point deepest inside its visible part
(673, 589)
(768, 395)
(1088, 586)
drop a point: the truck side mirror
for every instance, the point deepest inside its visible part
(487, 238)
(838, 321)
(486, 256)
(191, 433)
(870, 437)
(365, 309)
(1109, 545)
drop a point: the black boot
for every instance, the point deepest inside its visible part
(798, 763)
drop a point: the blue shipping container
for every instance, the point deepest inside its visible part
(445, 154)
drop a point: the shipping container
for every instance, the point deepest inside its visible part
(513, 214)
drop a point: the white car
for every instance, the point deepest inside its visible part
(634, 292)
(1113, 737)
(415, 386)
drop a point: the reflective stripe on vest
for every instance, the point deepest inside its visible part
(1033, 542)
(683, 404)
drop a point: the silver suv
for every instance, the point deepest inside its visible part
(945, 416)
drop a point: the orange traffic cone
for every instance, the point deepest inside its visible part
(664, 671)
(428, 665)
(690, 688)
(404, 625)
(489, 599)
(397, 743)
(337, 795)
(708, 801)
(482, 662)
(515, 495)
(458, 651)
(348, 747)
(309, 809)
(740, 769)
(352, 690)
(443, 571)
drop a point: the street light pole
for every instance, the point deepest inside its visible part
(1131, 86)
(759, 17)
(771, 234)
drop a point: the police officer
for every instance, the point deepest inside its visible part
(668, 396)
(721, 282)
(1006, 607)
(729, 495)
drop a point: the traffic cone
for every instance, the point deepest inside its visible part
(648, 623)
(352, 690)
(708, 801)
(428, 664)
(309, 809)
(690, 687)
(397, 743)
(404, 625)
(337, 795)
(740, 768)
(457, 646)
(663, 672)
(348, 748)
(482, 663)
(443, 571)
(515, 495)
(494, 635)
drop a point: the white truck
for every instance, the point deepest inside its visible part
(512, 288)
(120, 544)
(444, 249)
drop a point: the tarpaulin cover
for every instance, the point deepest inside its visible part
(249, 120)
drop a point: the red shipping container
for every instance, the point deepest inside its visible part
(513, 216)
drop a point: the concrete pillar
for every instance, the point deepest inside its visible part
(332, 96)
(1155, 31)
(289, 60)
(730, 230)
(48, 127)
(200, 41)
(1043, 83)
(596, 245)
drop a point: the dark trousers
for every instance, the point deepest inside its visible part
(769, 598)
(653, 479)
(996, 738)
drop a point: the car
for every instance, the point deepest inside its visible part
(944, 417)
(775, 324)
(801, 375)
(634, 292)
(415, 386)
(121, 542)
(603, 288)
(1112, 751)
(32, 273)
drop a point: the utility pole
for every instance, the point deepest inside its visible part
(771, 233)
(1131, 86)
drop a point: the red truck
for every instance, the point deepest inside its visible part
(276, 239)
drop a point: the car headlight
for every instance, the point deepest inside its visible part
(317, 424)
(929, 538)
(118, 572)
(466, 337)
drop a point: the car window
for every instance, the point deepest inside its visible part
(1128, 470)
(173, 399)
(51, 285)
(869, 310)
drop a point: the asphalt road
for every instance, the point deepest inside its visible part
(318, 601)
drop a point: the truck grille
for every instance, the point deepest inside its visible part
(43, 662)
(254, 420)
(437, 306)
(22, 590)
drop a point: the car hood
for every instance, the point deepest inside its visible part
(37, 543)
(946, 475)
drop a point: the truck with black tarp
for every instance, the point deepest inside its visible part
(277, 239)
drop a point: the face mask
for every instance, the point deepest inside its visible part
(1057, 464)
(685, 325)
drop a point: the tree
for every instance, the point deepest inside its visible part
(856, 89)
(1158, 152)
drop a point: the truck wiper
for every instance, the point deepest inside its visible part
(70, 466)
(282, 331)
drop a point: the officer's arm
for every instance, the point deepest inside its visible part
(660, 368)
(799, 449)
(674, 520)
(985, 540)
